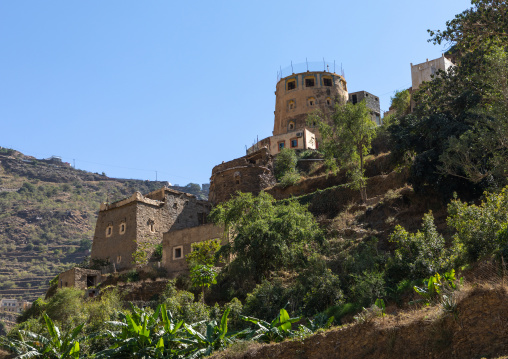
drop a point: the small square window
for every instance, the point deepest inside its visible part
(327, 81)
(281, 145)
(294, 142)
(178, 252)
(309, 82)
(291, 85)
(122, 228)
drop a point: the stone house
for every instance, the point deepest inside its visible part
(372, 102)
(80, 278)
(139, 222)
(178, 243)
(251, 173)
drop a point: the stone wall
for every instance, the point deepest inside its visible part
(251, 173)
(372, 102)
(125, 226)
(182, 239)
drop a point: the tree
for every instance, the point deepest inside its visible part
(485, 22)
(285, 162)
(459, 129)
(267, 236)
(203, 253)
(346, 140)
(203, 276)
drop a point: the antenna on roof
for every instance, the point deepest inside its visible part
(292, 71)
(324, 65)
(333, 66)
(307, 64)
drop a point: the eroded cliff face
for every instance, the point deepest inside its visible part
(480, 330)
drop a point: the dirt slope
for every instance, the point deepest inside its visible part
(480, 330)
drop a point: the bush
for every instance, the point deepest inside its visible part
(285, 162)
(67, 307)
(266, 299)
(481, 230)
(368, 287)
(182, 305)
(289, 178)
(420, 254)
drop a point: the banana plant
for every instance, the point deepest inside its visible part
(54, 346)
(275, 331)
(143, 335)
(215, 338)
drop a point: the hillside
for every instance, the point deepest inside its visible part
(477, 331)
(47, 217)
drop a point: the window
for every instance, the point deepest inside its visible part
(281, 145)
(237, 176)
(294, 142)
(291, 104)
(118, 259)
(327, 81)
(309, 82)
(328, 101)
(291, 85)
(354, 99)
(178, 252)
(151, 225)
(109, 230)
(122, 228)
(291, 126)
(311, 101)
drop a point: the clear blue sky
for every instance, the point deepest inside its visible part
(133, 87)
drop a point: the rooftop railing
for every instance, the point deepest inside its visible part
(325, 66)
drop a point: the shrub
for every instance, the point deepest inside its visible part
(420, 254)
(285, 162)
(289, 178)
(481, 229)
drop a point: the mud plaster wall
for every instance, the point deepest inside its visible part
(184, 238)
(300, 98)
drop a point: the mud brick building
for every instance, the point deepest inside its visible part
(140, 222)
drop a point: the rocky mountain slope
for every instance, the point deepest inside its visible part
(47, 217)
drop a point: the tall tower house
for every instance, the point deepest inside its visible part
(299, 94)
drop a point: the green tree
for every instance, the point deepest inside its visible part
(480, 229)
(203, 253)
(203, 276)
(285, 163)
(485, 22)
(346, 140)
(418, 255)
(267, 236)
(457, 133)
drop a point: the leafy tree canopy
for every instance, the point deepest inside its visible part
(267, 236)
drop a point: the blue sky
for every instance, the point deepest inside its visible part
(133, 87)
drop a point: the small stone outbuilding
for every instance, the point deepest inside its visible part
(177, 244)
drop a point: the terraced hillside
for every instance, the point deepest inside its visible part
(47, 217)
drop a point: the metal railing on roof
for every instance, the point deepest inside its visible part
(325, 66)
